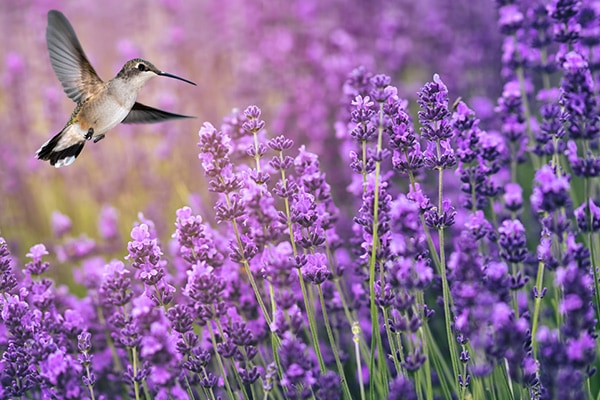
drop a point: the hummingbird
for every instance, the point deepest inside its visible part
(100, 105)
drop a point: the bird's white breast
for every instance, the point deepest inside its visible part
(108, 110)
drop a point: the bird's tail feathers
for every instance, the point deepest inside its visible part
(62, 149)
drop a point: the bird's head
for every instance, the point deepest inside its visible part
(138, 71)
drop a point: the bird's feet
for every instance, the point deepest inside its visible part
(99, 138)
(89, 134)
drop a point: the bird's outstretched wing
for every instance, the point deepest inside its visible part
(74, 71)
(141, 114)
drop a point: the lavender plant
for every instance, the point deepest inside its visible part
(460, 263)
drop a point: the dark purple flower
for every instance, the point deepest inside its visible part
(116, 285)
(550, 191)
(510, 108)
(434, 115)
(587, 166)
(206, 288)
(297, 365)
(439, 158)
(576, 305)
(510, 19)
(8, 281)
(362, 117)
(551, 127)
(479, 227)
(588, 217)
(512, 241)
(513, 197)
(544, 251)
(564, 12)
(402, 388)
(316, 269)
(581, 112)
(442, 218)
(328, 385)
(558, 376)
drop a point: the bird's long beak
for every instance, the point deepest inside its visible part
(161, 73)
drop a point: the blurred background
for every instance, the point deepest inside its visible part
(290, 58)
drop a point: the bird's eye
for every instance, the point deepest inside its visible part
(141, 67)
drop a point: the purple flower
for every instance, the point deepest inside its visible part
(479, 227)
(438, 159)
(512, 241)
(510, 108)
(362, 116)
(581, 111)
(577, 300)
(116, 286)
(566, 29)
(195, 241)
(443, 218)
(214, 150)
(328, 385)
(297, 365)
(254, 124)
(551, 127)
(107, 223)
(513, 196)
(76, 249)
(8, 281)
(559, 376)
(510, 19)
(588, 217)
(315, 269)
(206, 288)
(550, 191)
(36, 266)
(587, 166)
(434, 114)
(37, 252)
(61, 224)
(402, 388)
(303, 209)
(142, 249)
(55, 365)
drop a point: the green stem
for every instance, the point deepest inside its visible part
(136, 387)
(537, 305)
(590, 244)
(422, 335)
(376, 341)
(312, 321)
(391, 341)
(445, 287)
(356, 335)
(219, 361)
(333, 345)
(90, 387)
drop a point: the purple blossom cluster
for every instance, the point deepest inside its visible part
(458, 260)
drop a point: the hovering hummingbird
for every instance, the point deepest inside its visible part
(100, 105)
